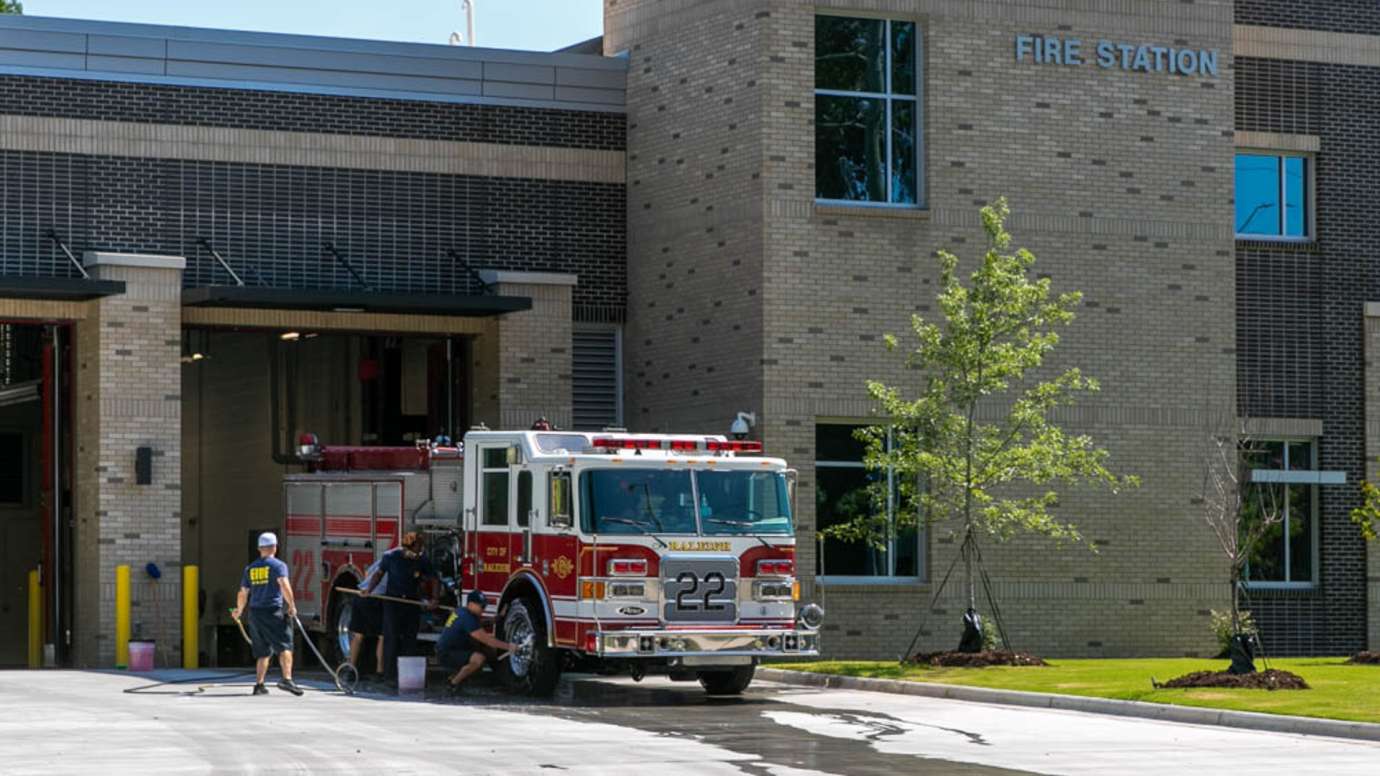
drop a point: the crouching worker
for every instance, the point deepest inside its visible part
(464, 646)
(268, 593)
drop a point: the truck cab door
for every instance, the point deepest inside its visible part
(493, 497)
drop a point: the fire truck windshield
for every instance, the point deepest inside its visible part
(657, 501)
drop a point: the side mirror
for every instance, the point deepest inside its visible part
(792, 479)
(560, 501)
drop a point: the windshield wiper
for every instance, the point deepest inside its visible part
(740, 523)
(635, 524)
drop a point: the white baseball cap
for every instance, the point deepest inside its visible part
(267, 539)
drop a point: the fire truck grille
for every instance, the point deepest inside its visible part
(700, 589)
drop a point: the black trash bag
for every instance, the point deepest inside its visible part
(972, 632)
(1242, 653)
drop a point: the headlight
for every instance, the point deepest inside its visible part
(811, 616)
(773, 591)
(627, 589)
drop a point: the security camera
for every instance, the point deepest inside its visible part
(742, 424)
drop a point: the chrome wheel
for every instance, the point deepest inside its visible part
(521, 634)
(342, 628)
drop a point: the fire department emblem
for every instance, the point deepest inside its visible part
(563, 566)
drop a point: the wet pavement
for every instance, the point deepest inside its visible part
(86, 722)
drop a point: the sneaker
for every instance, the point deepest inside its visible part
(290, 686)
(259, 689)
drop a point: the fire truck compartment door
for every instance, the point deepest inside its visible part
(302, 529)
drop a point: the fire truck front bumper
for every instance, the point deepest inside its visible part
(741, 643)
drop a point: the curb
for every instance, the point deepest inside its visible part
(1246, 720)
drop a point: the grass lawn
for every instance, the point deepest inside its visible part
(1339, 691)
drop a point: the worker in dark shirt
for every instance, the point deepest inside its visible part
(266, 589)
(464, 646)
(406, 570)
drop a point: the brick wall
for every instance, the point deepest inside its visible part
(128, 395)
(270, 222)
(1299, 309)
(1119, 184)
(255, 109)
(1357, 16)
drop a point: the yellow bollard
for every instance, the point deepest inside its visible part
(122, 616)
(35, 620)
(189, 616)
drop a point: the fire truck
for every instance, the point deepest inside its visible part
(609, 552)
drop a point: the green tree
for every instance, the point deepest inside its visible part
(11, 6)
(1367, 516)
(973, 445)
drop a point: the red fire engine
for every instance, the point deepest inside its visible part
(608, 551)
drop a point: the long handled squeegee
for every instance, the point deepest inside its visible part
(395, 599)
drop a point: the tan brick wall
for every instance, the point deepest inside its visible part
(1118, 185)
(128, 395)
(522, 363)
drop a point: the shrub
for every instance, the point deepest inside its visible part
(1221, 629)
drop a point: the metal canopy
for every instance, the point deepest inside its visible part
(57, 288)
(353, 301)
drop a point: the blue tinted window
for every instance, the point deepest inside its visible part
(1295, 201)
(1272, 197)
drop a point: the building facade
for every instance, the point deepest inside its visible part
(216, 241)
(1192, 168)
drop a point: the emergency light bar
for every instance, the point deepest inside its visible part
(678, 445)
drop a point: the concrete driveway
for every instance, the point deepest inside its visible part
(91, 722)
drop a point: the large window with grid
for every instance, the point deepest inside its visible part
(845, 490)
(867, 111)
(1284, 487)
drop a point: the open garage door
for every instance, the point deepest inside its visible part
(33, 484)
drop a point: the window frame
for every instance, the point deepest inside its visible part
(921, 198)
(1293, 478)
(921, 532)
(1310, 197)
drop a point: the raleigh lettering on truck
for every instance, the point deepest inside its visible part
(600, 551)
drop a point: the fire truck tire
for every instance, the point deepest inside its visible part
(727, 682)
(534, 668)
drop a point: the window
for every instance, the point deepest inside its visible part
(524, 510)
(844, 490)
(637, 501)
(1273, 196)
(495, 474)
(12, 468)
(1284, 481)
(867, 111)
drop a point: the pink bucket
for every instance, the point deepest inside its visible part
(141, 655)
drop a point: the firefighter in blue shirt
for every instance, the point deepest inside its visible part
(402, 572)
(465, 646)
(266, 589)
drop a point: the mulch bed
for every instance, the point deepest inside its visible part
(977, 659)
(1365, 658)
(1272, 679)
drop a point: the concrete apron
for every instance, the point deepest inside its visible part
(1247, 720)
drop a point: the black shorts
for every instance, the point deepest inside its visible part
(453, 659)
(366, 617)
(270, 632)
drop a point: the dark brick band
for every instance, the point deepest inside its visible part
(295, 112)
(270, 222)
